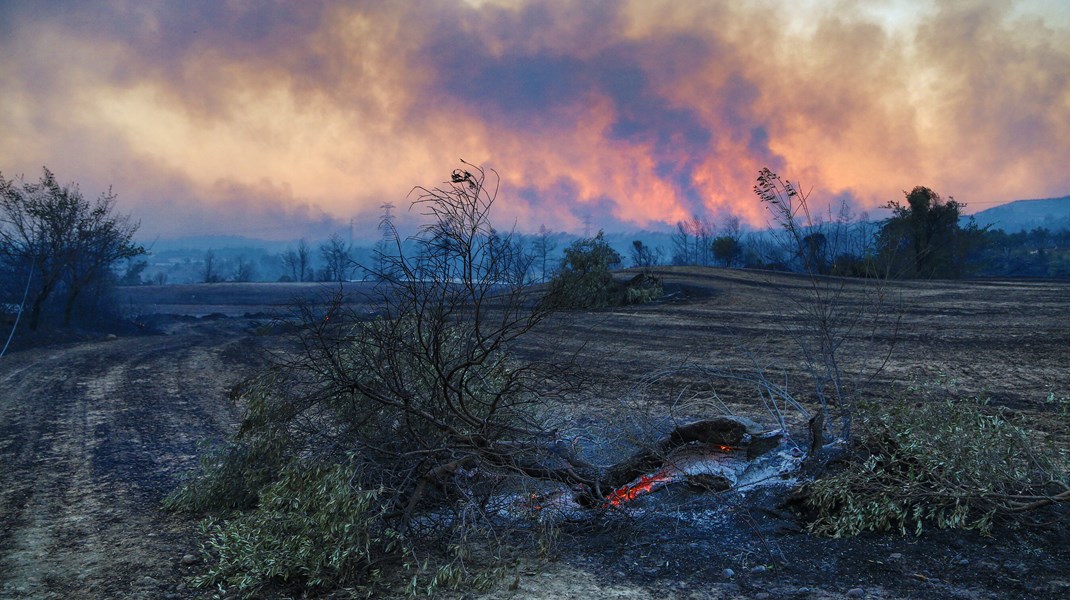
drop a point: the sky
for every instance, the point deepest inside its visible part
(278, 120)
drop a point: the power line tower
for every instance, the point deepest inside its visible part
(386, 221)
(587, 225)
(388, 235)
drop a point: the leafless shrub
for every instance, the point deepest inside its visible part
(830, 316)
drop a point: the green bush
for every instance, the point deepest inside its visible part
(950, 464)
(584, 279)
(231, 476)
(313, 527)
(643, 288)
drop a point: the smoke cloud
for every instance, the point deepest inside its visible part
(282, 120)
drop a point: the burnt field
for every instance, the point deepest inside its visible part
(94, 434)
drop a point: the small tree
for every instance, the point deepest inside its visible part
(66, 241)
(542, 248)
(210, 268)
(337, 258)
(826, 315)
(290, 263)
(299, 261)
(583, 279)
(244, 270)
(644, 256)
(727, 249)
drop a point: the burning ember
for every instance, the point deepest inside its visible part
(680, 467)
(740, 461)
(646, 483)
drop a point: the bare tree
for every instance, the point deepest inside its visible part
(542, 248)
(682, 246)
(290, 262)
(304, 260)
(691, 241)
(827, 315)
(244, 270)
(299, 262)
(210, 270)
(66, 240)
(643, 255)
(337, 259)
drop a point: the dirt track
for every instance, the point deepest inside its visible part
(93, 436)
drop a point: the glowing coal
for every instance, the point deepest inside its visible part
(758, 460)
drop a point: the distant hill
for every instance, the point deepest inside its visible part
(1051, 213)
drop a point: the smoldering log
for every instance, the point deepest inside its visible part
(720, 434)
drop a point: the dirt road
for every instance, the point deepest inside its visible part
(92, 437)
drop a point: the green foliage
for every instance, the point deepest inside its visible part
(585, 281)
(924, 239)
(230, 477)
(642, 288)
(1037, 253)
(727, 249)
(949, 464)
(315, 526)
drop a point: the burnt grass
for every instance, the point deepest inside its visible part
(95, 432)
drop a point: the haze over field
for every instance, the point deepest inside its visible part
(287, 119)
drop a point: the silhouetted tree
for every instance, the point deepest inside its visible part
(727, 250)
(66, 241)
(643, 255)
(337, 259)
(923, 238)
(245, 270)
(299, 261)
(691, 241)
(210, 270)
(542, 248)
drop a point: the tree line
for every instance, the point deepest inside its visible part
(68, 249)
(926, 237)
